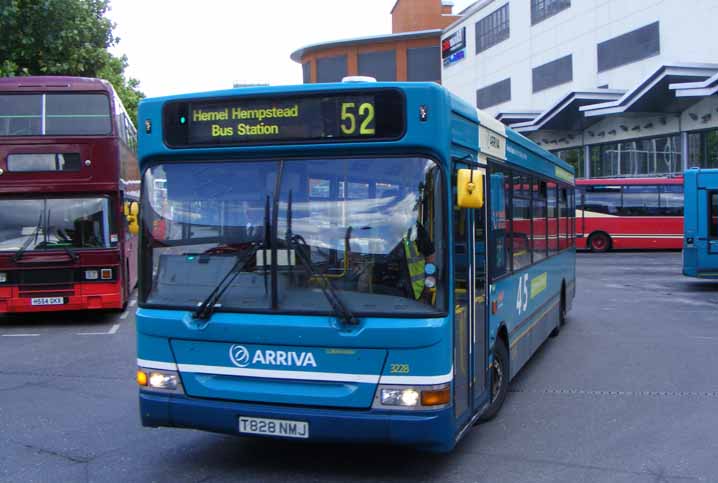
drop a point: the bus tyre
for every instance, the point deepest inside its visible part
(561, 314)
(499, 380)
(599, 242)
(562, 308)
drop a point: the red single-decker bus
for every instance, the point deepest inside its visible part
(68, 177)
(629, 213)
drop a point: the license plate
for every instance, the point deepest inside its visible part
(274, 427)
(47, 301)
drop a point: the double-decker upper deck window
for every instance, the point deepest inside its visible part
(543, 9)
(492, 29)
(72, 114)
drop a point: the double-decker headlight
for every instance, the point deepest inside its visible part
(3, 277)
(98, 274)
(159, 380)
(412, 397)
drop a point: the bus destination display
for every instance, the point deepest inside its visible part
(373, 115)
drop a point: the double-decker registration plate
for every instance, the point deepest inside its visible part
(47, 301)
(274, 427)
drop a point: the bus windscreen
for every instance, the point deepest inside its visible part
(56, 114)
(327, 117)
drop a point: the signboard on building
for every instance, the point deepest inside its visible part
(453, 47)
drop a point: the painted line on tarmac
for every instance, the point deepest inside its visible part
(124, 315)
(113, 330)
(133, 302)
(20, 335)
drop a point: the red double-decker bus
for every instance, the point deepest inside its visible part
(68, 180)
(629, 213)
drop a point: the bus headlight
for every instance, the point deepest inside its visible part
(412, 397)
(400, 397)
(159, 380)
(91, 275)
(3, 277)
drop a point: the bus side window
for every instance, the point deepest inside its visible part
(499, 222)
(539, 246)
(639, 200)
(713, 217)
(602, 199)
(563, 228)
(671, 200)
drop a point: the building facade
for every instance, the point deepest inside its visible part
(410, 53)
(615, 87)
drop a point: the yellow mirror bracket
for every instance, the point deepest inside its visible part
(470, 188)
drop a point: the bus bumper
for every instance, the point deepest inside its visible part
(428, 430)
(100, 297)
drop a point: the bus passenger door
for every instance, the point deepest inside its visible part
(470, 329)
(462, 334)
(479, 326)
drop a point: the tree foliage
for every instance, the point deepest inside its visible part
(63, 37)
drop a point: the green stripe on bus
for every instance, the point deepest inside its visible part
(538, 284)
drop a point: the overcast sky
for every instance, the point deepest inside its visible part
(177, 46)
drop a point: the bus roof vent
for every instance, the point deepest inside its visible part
(358, 78)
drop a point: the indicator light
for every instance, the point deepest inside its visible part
(436, 397)
(141, 378)
(183, 120)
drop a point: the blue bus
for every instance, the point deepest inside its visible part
(700, 241)
(363, 262)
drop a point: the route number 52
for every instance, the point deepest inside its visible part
(522, 294)
(364, 116)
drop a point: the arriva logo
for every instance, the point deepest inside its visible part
(240, 357)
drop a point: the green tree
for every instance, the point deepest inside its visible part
(63, 37)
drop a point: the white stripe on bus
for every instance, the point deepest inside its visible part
(298, 375)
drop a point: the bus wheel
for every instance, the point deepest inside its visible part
(561, 313)
(499, 380)
(599, 242)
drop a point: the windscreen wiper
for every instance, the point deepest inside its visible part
(206, 308)
(73, 256)
(27, 242)
(341, 310)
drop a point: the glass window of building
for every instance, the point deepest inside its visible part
(539, 245)
(703, 149)
(574, 157)
(492, 29)
(640, 157)
(521, 222)
(543, 9)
